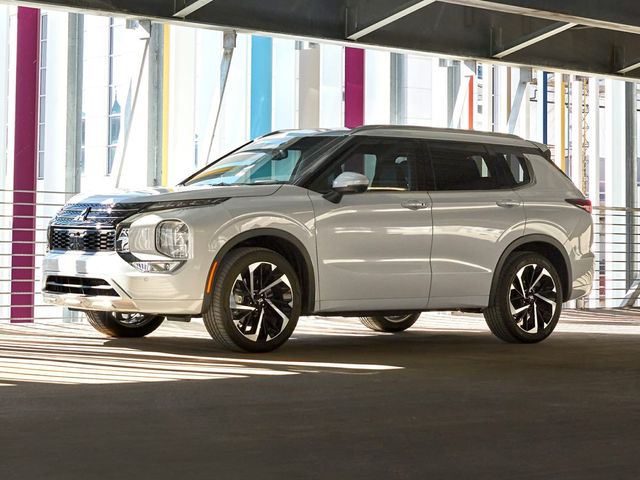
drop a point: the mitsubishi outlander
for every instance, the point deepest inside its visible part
(379, 222)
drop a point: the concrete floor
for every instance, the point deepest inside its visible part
(444, 400)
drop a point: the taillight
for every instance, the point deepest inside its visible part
(583, 203)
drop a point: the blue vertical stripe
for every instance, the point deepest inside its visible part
(545, 107)
(261, 79)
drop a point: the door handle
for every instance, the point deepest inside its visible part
(415, 204)
(508, 203)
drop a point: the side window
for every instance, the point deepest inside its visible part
(516, 172)
(389, 164)
(463, 166)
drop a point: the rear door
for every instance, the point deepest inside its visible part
(476, 214)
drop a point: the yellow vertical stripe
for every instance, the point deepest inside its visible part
(165, 103)
(563, 130)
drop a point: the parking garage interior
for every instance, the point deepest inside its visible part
(97, 95)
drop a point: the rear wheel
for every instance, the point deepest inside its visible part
(116, 324)
(392, 323)
(256, 301)
(527, 300)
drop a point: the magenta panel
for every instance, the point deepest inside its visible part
(25, 175)
(354, 87)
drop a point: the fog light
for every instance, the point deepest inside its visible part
(156, 267)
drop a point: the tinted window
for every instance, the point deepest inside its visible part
(516, 172)
(466, 166)
(462, 166)
(390, 165)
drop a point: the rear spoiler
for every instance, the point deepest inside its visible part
(546, 152)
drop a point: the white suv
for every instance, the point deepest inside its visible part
(381, 222)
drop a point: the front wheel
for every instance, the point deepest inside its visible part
(116, 324)
(256, 301)
(390, 323)
(527, 300)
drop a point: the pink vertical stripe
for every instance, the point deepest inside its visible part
(25, 161)
(354, 87)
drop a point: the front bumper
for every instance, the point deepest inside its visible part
(179, 293)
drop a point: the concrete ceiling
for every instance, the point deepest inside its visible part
(586, 36)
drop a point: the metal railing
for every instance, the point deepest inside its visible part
(616, 247)
(16, 277)
(616, 244)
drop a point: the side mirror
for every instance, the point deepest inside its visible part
(345, 183)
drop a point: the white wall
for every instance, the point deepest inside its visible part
(55, 103)
(377, 84)
(331, 86)
(95, 101)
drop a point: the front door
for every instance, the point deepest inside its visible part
(373, 247)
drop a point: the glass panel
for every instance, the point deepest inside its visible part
(461, 166)
(114, 129)
(515, 169)
(111, 155)
(261, 162)
(390, 165)
(40, 165)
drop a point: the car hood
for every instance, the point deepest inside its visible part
(163, 194)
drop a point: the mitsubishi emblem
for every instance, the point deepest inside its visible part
(83, 216)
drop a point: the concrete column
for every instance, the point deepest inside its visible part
(309, 86)
(487, 97)
(615, 189)
(354, 87)
(155, 107)
(75, 49)
(23, 233)
(398, 88)
(453, 89)
(631, 174)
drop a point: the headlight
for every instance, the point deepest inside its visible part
(172, 239)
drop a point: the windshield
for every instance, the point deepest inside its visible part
(268, 160)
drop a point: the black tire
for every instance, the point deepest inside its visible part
(396, 323)
(124, 325)
(527, 300)
(271, 316)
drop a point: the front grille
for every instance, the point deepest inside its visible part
(85, 240)
(98, 215)
(92, 287)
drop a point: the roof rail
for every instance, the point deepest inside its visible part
(366, 128)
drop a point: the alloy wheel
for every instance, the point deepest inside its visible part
(397, 318)
(533, 298)
(261, 301)
(132, 319)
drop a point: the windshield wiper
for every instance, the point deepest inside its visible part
(267, 182)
